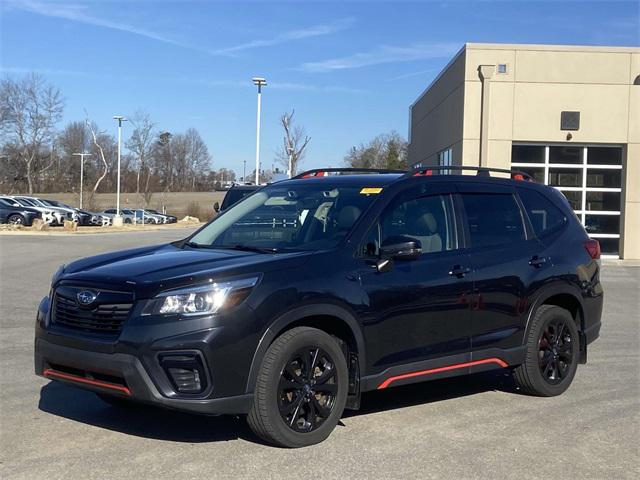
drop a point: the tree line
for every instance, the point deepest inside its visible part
(36, 155)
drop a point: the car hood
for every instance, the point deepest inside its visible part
(148, 270)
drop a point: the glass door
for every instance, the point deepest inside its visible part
(589, 176)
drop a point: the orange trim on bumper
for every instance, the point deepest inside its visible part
(389, 380)
(54, 374)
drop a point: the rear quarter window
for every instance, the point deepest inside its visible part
(543, 214)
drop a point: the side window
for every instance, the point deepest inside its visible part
(544, 215)
(427, 219)
(494, 219)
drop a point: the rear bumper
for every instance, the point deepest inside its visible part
(122, 375)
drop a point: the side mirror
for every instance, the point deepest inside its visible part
(216, 207)
(401, 248)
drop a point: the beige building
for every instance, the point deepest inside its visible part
(568, 115)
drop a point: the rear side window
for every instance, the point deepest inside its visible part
(494, 219)
(544, 215)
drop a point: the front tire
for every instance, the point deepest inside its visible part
(301, 389)
(16, 219)
(553, 349)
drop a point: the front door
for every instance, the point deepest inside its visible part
(418, 310)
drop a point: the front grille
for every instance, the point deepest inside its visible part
(106, 318)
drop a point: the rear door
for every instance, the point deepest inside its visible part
(503, 253)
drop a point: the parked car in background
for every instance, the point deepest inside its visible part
(14, 213)
(60, 214)
(81, 216)
(126, 217)
(48, 215)
(168, 218)
(148, 217)
(69, 213)
(234, 195)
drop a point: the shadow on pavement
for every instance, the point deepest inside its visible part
(162, 424)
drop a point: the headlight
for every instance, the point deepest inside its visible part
(204, 299)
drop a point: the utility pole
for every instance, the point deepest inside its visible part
(82, 155)
(259, 82)
(118, 217)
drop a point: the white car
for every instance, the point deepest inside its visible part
(48, 214)
(126, 217)
(60, 214)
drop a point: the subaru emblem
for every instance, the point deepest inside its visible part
(86, 297)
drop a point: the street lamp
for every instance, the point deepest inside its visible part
(81, 155)
(244, 170)
(120, 119)
(259, 82)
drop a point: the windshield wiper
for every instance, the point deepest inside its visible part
(243, 248)
(195, 245)
(249, 248)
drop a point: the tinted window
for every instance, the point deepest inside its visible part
(544, 215)
(427, 219)
(494, 219)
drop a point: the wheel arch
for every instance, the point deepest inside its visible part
(563, 296)
(332, 319)
(18, 214)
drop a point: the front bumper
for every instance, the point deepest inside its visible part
(135, 365)
(122, 375)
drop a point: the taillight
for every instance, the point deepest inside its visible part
(593, 247)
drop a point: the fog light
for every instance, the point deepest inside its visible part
(185, 371)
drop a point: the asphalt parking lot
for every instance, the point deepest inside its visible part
(474, 427)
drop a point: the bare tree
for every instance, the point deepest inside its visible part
(140, 143)
(294, 144)
(29, 108)
(105, 165)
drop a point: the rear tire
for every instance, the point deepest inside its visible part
(301, 389)
(553, 350)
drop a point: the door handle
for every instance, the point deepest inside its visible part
(537, 261)
(459, 271)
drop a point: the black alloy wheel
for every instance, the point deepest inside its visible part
(555, 351)
(552, 352)
(307, 389)
(301, 388)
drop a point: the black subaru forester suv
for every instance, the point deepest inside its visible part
(310, 291)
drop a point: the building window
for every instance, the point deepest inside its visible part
(444, 160)
(502, 68)
(590, 178)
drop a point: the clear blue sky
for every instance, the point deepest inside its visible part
(350, 69)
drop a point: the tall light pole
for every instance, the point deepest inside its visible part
(82, 155)
(120, 119)
(259, 82)
(244, 170)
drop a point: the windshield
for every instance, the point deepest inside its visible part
(308, 217)
(26, 203)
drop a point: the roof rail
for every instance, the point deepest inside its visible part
(428, 170)
(321, 172)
